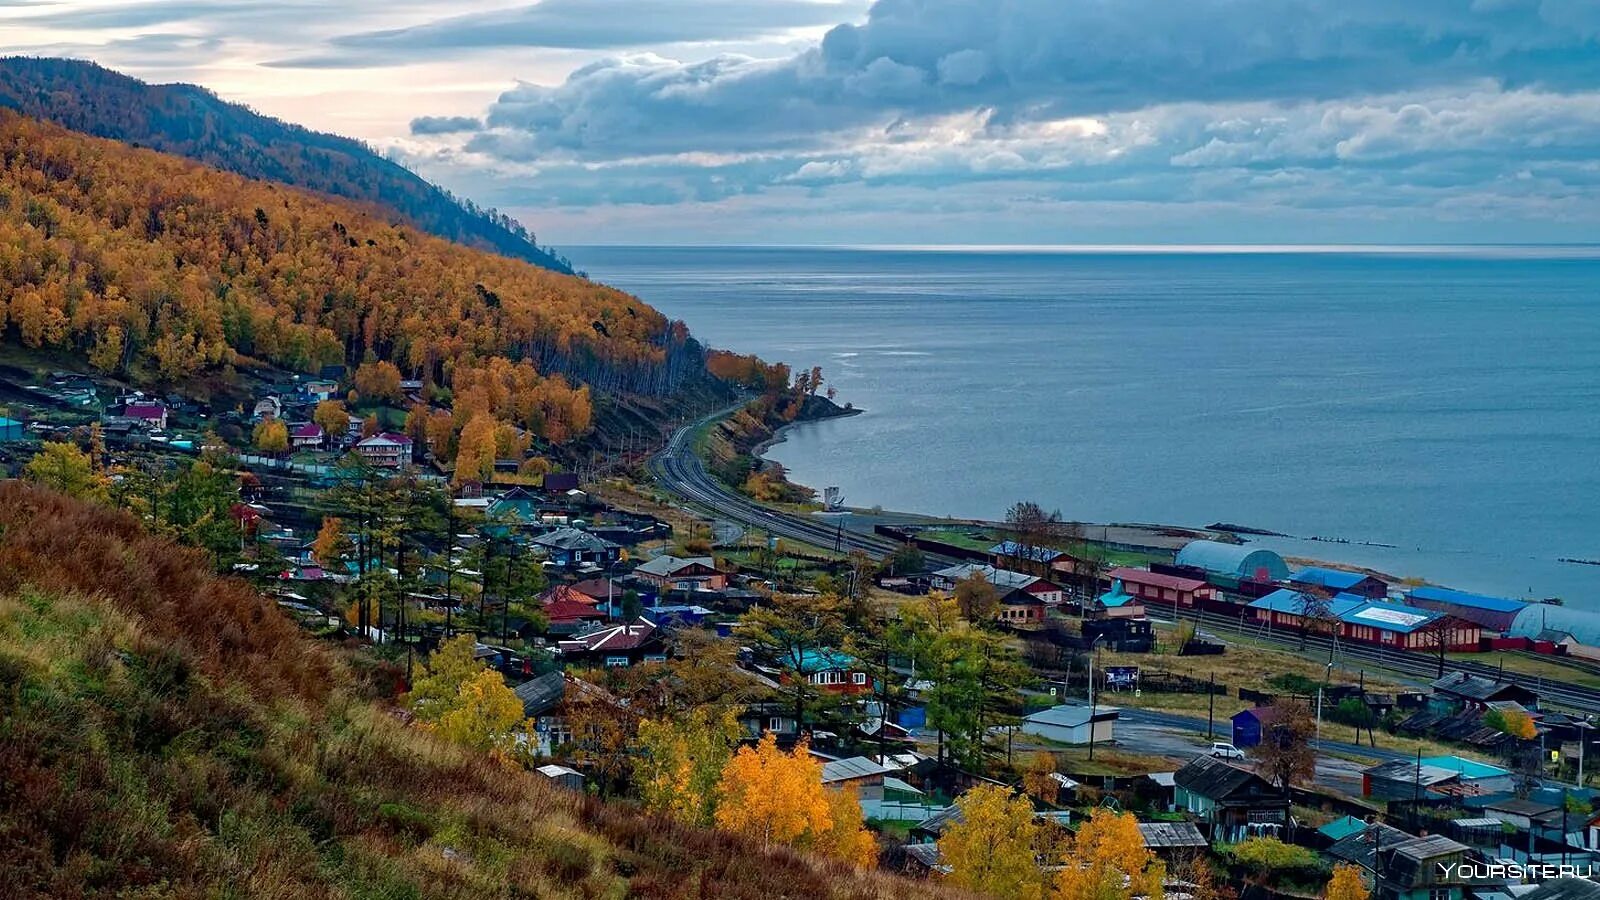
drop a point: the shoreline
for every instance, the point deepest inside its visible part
(1241, 533)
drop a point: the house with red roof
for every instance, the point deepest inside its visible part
(149, 412)
(616, 646)
(307, 436)
(1157, 587)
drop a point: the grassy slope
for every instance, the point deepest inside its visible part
(165, 733)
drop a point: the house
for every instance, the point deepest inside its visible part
(1234, 560)
(834, 672)
(268, 408)
(616, 646)
(574, 547)
(1358, 619)
(307, 436)
(1156, 587)
(1339, 581)
(1459, 690)
(1116, 603)
(10, 430)
(1493, 614)
(1525, 814)
(671, 573)
(1234, 803)
(1004, 581)
(1016, 554)
(567, 615)
(542, 694)
(514, 506)
(1250, 725)
(757, 719)
(863, 775)
(571, 779)
(1168, 839)
(1341, 828)
(1073, 724)
(1018, 607)
(385, 449)
(152, 414)
(1402, 779)
(1405, 867)
(319, 390)
(1291, 609)
(601, 590)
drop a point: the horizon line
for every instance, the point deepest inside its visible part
(1569, 249)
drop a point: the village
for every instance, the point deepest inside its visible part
(1275, 721)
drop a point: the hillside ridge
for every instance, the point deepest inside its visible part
(191, 121)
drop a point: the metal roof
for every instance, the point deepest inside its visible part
(1172, 834)
(850, 769)
(1582, 624)
(1240, 560)
(1467, 768)
(1333, 579)
(1065, 716)
(1294, 602)
(1156, 579)
(1462, 598)
(667, 565)
(1035, 554)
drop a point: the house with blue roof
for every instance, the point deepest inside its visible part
(1339, 581)
(833, 671)
(1493, 614)
(10, 430)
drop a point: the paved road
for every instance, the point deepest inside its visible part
(678, 469)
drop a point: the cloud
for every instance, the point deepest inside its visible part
(603, 25)
(434, 125)
(1044, 59)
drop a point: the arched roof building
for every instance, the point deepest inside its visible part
(1537, 618)
(1237, 560)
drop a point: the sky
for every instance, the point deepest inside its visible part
(922, 121)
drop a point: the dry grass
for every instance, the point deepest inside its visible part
(165, 733)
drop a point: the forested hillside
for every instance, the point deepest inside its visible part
(161, 269)
(168, 733)
(191, 121)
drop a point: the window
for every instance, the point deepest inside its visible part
(616, 662)
(858, 678)
(775, 725)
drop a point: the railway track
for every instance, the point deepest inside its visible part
(1348, 655)
(678, 469)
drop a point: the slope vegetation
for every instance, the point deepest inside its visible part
(193, 122)
(145, 260)
(166, 733)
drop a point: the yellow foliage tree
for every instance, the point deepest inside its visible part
(330, 541)
(774, 797)
(446, 672)
(65, 468)
(486, 716)
(1346, 884)
(332, 417)
(994, 849)
(1107, 860)
(271, 436)
(475, 450)
(678, 763)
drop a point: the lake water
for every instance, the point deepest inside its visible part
(1446, 402)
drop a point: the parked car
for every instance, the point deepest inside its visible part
(1225, 750)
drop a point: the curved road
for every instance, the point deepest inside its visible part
(679, 469)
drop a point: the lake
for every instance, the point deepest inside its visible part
(1444, 402)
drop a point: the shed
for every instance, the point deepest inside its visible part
(568, 778)
(1491, 779)
(1342, 828)
(1236, 560)
(1072, 724)
(10, 430)
(1251, 724)
(1402, 780)
(1172, 837)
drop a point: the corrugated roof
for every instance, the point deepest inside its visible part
(1035, 554)
(850, 769)
(1467, 768)
(1171, 834)
(1462, 598)
(1213, 778)
(1390, 617)
(1240, 560)
(1156, 579)
(1065, 716)
(1332, 579)
(1294, 603)
(1582, 624)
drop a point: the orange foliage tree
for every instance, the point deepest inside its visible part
(775, 797)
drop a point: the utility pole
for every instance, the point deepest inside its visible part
(1211, 707)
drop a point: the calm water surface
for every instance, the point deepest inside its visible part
(1446, 403)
